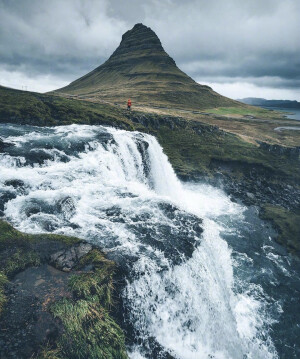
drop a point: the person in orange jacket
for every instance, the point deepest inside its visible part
(129, 104)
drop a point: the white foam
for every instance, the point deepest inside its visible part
(190, 309)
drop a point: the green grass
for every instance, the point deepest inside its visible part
(99, 282)
(45, 110)
(243, 111)
(47, 352)
(89, 331)
(21, 260)
(3, 282)
(18, 250)
(192, 153)
(11, 236)
(8, 234)
(15, 251)
(68, 240)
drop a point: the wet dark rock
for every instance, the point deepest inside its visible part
(5, 197)
(26, 323)
(68, 258)
(142, 147)
(14, 183)
(36, 205)
(105, 137)
(67, 207)
(113, 211)
(253, 184)
(4, 145)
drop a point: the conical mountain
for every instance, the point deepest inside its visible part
(140, 69)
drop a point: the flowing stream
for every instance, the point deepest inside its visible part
(203, 277)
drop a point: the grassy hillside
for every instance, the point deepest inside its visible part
(250, 123)
(141, 69)
(34, 108)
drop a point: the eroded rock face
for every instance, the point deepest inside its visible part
(292, 152)
(27, 323)
(255, 185)
(67, 259)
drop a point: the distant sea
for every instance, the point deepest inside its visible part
(294, 113)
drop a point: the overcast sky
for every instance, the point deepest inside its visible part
(241, 48)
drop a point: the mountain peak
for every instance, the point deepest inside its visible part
(140, 30)
(139, 38)
(141, 69)
(139, 27)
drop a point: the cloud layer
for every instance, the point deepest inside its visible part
(218, 42)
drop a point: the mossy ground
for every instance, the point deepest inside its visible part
(3, 282)
(287, 223)
(89, 331)
(190, 152)
(250, 123)
(244, 111)
(19, 250)
(24, 107)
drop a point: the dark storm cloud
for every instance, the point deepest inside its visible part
(249, 39)
(213, 41)
(57, 37)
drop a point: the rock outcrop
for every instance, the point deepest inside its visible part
(293, 152)
(67, 259)
(56, 291)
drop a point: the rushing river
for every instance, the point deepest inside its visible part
(203, 277)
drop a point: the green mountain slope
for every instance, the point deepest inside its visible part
(141, 69)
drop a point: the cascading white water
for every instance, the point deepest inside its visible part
(118, 190)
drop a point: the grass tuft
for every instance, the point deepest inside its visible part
(21, 260)
(89, 331)
(3, 282)
(48, 353)
(98, 283)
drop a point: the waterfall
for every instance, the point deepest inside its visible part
(118, 190)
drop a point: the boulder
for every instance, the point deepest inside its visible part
(67, 259)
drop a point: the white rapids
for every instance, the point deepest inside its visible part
(113, 191)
